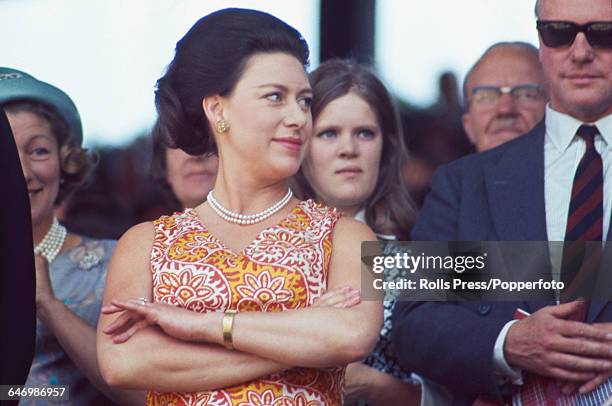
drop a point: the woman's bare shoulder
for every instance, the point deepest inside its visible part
(349, 230)
(139, 231)
(137, 239)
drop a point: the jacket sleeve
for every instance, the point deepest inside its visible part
(451, 343)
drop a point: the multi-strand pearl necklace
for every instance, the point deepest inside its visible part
(246, 219)
(53, 241)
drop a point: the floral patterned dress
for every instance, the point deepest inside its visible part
(284, 268)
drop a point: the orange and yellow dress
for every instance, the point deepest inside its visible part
(284, 268)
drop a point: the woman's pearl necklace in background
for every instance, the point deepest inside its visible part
(53, 241)
(246, 219)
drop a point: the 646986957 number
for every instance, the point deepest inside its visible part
(51, 392)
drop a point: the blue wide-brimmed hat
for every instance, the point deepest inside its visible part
(18, 85)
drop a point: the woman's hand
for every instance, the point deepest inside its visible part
(137, 314)
(44, 290)
(339, 297)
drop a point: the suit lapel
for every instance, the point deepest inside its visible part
(515, 189)
(604, 280)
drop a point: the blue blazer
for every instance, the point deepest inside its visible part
(497, 195)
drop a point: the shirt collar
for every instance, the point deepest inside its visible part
(360, 216)
(605, 129)
(561, 128)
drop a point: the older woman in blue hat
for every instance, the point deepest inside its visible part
(70, 269)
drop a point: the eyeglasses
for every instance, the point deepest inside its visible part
(556, 34)
(485, 97)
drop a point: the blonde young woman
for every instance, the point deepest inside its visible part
(251, 297)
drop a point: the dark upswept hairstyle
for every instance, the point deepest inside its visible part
(76, 163)
(390, 209)
(210, 59)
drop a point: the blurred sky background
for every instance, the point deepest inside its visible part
(107, 54)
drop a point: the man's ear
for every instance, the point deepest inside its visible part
(467, 126)
(213, 108)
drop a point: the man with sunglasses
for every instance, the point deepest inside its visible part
(504, 94)
(552, 184)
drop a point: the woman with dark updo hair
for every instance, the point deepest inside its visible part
(241, 300)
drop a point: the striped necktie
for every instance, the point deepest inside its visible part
(584, 221)
(585, 217)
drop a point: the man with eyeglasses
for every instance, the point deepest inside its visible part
(504, 94)
(552, 184)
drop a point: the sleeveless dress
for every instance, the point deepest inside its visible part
(285, 267)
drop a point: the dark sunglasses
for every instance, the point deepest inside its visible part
(556, 34)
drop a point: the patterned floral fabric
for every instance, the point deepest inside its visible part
(284, 268)
(383, 356)
(77, 277)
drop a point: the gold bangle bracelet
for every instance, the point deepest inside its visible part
(228, 325)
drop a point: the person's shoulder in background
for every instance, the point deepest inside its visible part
(17, 278)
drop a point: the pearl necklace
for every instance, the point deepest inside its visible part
(246, 219)
(53, 241)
